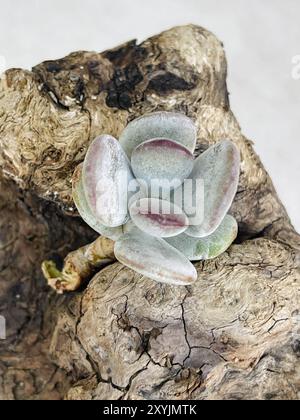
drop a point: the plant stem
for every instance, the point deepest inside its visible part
(79, 265)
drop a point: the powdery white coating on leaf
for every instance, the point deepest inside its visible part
(219, 167)
(137, 190)
(128, 226)
(106, 174)
(159, 218)
(163, 161)
(154, 258)
(196, 249)
(85, 211)
(169, 125)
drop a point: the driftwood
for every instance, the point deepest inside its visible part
(234, 335)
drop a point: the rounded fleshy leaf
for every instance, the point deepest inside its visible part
(128, 227)
(158, 218)
(154, 258)
(219, 168)
(105, 176)
(137, 190)
(169, 125)
(196, 249)
(85, 211)
(162, 162)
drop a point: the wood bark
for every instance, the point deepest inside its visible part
(235, 334)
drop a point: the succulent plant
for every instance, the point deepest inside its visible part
(162, 207)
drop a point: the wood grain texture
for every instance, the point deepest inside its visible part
(235, 334)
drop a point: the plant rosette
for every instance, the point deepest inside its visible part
(161, 206)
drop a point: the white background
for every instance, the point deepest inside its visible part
(261, 38)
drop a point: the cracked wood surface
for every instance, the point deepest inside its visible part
(233, 335)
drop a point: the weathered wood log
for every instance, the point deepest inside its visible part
(234, 335)
(30, 229)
